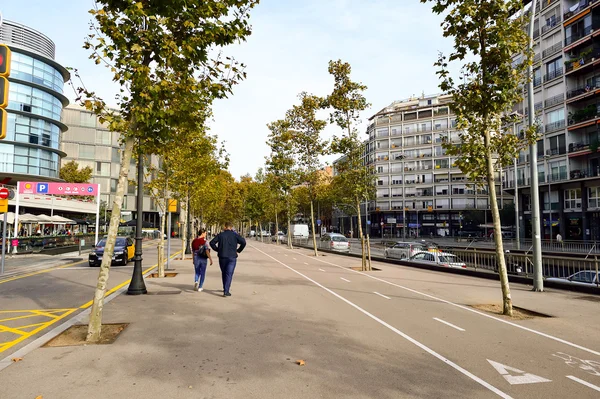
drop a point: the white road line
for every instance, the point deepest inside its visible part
(381, 295)
(345, 279)
(582, 382)
(305, 263)
(400, 333)
(322, 270)
(448, 324)
(294, 258)
(286, 254)
(562, 341)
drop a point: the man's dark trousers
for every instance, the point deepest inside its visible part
(227, 266)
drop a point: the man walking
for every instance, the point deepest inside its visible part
(225, 244)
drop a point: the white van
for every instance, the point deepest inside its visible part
(299, 231)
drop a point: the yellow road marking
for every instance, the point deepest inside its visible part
(123, 284)
(50, 269)
(53, 314)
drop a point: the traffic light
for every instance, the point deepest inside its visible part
(4, 73)
(4, 60)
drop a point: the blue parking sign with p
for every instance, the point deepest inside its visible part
(42, 188)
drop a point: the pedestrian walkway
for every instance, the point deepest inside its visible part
(187, 344)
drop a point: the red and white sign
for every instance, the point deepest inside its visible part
(59, 188)
(4, 193)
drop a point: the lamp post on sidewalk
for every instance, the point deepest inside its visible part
(137, 285)
(538, 282)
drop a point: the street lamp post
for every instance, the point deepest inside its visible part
(538, 282)
(137, 285)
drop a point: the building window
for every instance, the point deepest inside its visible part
(103, 168)
(593, 197)
(86, 151)
(87, 119)
(115, 155)
(113, 185)
(573, 199)
(103, 137)
(557, 145)
(554, 68)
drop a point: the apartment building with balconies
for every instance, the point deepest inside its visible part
(567, 108)
(418, 184)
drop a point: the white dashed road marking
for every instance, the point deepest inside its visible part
(448, 324)
(381, 295)
(346, 280)
(582, 382)
(322, 270)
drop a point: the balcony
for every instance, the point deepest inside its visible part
(551, 24)
(537, 81)
(578, 35)
(590, 112)
(553, 74)
(584, 173)
(556, 151)
(557, 176)
(576, 147)
(558, 99)
(581, 6)
(552, 50)
(551, 127)
(581, 60)
(536, 58)
(583, 89)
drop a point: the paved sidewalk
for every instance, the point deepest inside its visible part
(201, 345)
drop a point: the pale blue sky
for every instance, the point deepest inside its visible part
(391, 45)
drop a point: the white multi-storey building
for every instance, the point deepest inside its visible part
(567, 107)
(420, 191)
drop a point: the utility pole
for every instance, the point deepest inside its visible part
(538, 282)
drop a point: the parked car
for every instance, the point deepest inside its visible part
(438, 258)
(404, 250)
(280, 236)
(124, 252)
(265, 233)
(335, 242)
(586, 278)
(251, 233)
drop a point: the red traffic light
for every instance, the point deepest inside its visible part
(4, 60)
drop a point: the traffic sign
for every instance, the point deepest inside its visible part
(172, 206)
(3, 205)
(4, 193)
(318, 222)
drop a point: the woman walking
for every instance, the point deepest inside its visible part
(201, 251)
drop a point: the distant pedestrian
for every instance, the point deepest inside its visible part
(201, 252)
(559, 240)
(225, 244)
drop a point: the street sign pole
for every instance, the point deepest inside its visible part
(4, 241)
(168, 238)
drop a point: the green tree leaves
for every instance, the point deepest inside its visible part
(71, 173)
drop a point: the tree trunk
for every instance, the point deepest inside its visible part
(95, 323)
(289, 223)
(314, 233)
(161, 244)
(185, 229)
(362, 238)
(500, 260)
(276, 227)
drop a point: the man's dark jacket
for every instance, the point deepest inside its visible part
(225, 244)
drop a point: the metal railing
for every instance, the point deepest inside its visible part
(583, 4)
(553, 23)
(554, 126)
(578, 35)
(549, 102)
(554, 74)
(582, 89)
(552, 50)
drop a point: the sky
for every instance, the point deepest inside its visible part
(390, 44)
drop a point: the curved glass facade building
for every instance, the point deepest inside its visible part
(31, 149)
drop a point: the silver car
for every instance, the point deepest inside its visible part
(585, 278)
(404, 250)
(335, 242)
(438, 258)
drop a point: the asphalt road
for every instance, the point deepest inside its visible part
(395, 333)
(34, 302)
(463, 353)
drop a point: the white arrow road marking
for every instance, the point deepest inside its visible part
(381, 295)
(346, 280)
(322, 270)
(587, 384)
(448, 324)
(526, 378)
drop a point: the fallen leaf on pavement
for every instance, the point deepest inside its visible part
(17, 359)
(39, 397)
(300, 362)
